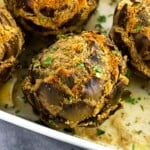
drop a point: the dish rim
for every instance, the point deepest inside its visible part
(51, 133)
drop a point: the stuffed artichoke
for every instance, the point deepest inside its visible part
(51, 16)
(77, 81)
(11, 41)
(131, 33)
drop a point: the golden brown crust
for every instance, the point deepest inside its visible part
(76, 79)
(11, 41)
(131, 32)
(52, 16)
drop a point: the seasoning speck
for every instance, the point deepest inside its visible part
(52, 123)
(133, 146)
(97, 69)
(101, 19)
(48, 61)
(100, 131)
(80, 66)
(139, 132)
(70, 99)
(138, 28)
(131, 100)
(142, 108)
(129, 74)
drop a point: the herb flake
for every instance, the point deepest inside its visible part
(52, 123)
(142, 107)
(100, 132)
(131, 100)
(139, 131)
(98, 69)
(80, 66)
(100, 28)
(116, 52)
(48, 61)
(133, 146)
(62, 36)
(101, 19)
(129, 74)
(70, 99)
(138, 28)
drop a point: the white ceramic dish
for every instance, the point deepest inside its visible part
(52, 133)
(129, 128)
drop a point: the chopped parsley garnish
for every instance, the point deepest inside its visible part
(98, 26)
(131, 100)
(133, 146)
(139, 131)
(129, 74)
(101, 19)
(142, 108)
(98, 71)
(138, 28)
(116, 52)
(48, 61)
(52, 123)
(62, 36)
(80, 66)
(70, 99)
(100, 131)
